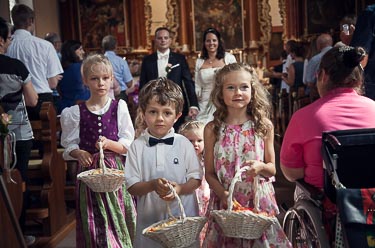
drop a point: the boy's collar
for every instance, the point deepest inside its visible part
(170, 133)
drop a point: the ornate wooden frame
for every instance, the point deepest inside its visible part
(173, 17)
(101, 18)
(202, 22)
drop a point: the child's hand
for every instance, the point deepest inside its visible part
(162, 188)
(224, 199)
(170, 195)
(84, 158)
(255, 167)
(105, 142)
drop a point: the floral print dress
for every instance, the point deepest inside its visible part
(236, 145)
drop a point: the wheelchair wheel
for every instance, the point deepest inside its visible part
(303, 226)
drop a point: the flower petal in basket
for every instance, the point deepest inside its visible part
(242, 224)
(176, 232)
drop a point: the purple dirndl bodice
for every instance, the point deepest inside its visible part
(92, 126)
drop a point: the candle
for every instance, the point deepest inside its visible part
(241, 56)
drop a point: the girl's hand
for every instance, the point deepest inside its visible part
(105, 142)
(84, 158)
(224, 199)
(255, 167)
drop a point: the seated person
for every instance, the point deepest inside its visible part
(341, 106)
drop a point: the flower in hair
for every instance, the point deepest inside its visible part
(169, 67)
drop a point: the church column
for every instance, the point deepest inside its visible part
(183, 26)
(253, 19)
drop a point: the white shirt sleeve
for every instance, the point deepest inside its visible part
(70, 130)
(125, 124)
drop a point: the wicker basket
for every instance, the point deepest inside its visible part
(102, 179)
(242, 224)
(182, 232)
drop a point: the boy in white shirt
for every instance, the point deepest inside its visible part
(160, 157)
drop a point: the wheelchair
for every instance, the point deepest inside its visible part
(348, 160)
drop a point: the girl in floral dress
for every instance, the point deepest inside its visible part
(103, 219)
(193, 130)
(241, 134)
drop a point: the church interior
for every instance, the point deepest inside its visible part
(254, 31)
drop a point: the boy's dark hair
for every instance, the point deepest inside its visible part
(165, 91)
(21, 15)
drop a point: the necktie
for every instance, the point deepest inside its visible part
(168, 141)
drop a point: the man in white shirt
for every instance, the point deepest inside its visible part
(38, 55)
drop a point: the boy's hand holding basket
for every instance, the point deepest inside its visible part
(102, 179)
(244, 224)
(176, 232)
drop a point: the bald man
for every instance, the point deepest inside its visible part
(323, 44)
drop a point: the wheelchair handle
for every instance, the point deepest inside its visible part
(333, 141)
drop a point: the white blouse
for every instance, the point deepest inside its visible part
(70, 118)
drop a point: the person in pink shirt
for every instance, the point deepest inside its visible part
(341, 106)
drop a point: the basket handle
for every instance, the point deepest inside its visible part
(236, 178)
(101, 157)
(179, 204)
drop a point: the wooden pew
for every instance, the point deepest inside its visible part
(10, 232)
(47, 176)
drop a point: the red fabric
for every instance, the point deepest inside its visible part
(368, 204)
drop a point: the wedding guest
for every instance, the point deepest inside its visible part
(165, 63)
(38, 55)
(364, 36)
(120, 67)
(17, 92)
(71, 87)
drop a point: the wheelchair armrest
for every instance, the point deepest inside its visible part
(310, 191)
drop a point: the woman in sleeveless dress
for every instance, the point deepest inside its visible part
(213, 57)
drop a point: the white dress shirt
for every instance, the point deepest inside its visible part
(162, 63)
(177, 163)
(38, 55)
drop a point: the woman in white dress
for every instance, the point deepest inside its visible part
(213, 57)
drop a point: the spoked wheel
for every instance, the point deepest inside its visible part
(303, 226)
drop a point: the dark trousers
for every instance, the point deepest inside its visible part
(23, 149)
(33, 112)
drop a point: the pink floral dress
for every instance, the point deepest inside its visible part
(236, 145)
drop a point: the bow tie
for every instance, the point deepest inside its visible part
(167, 141)
(161, 56)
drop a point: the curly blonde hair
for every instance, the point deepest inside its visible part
(259, 107)
(190, 126)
